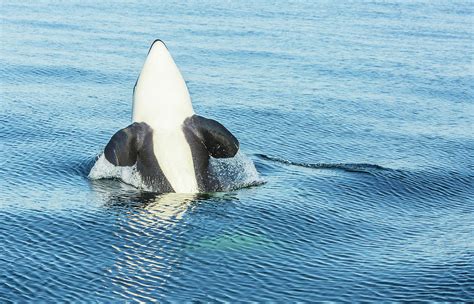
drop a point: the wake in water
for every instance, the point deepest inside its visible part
(232, 173)
(348, 167)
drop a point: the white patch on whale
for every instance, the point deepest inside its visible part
(161, 99)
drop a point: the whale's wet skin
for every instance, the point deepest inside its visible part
(358, 118)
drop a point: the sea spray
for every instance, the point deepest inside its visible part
(128, 174)
(234, 173)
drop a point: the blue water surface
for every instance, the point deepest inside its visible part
(358, 115)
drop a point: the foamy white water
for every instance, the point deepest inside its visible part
(128, 174)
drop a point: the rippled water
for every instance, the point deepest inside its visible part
(358, 116)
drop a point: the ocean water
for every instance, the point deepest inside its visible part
(357, 115)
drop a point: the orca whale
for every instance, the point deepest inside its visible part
(169, 144)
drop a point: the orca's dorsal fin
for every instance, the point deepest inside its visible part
(123, 147)
(219, 142)
(160, 95)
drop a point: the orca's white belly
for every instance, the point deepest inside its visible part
(175, 159)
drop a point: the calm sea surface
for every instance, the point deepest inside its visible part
(358, 116)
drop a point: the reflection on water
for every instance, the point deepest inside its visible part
(169, 207)
(148, 251)
(152, 209)
(155, 240)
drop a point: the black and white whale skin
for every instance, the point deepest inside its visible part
(168, 143)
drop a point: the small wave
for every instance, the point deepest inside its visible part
(348, 167)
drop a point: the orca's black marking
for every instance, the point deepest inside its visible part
(206, 137)
(134, 145)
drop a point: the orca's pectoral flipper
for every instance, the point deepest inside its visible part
(123, 147)
(219, 142)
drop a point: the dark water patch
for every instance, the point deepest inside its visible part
(43, 232)
(45, 24)
(13, 74)
(83, 167)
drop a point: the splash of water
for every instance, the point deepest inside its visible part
(128, 174)
(232, 173)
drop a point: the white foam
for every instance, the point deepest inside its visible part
(128, 174)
